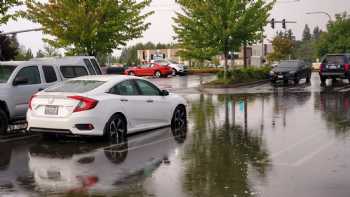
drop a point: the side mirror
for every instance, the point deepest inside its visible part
(20, 81)
(165, 93)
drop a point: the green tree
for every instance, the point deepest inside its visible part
(316, 33)
(337, 37)
(8, 48)
(283, 45)
(89, 27)
(221, 25)
(5, 5)
(306, 33)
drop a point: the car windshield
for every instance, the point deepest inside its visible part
(335, 59)
(288, 64)
(5, 72)
(76, 86)
(173, 62)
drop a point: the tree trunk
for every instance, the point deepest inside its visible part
(245, 55)
(225, 65)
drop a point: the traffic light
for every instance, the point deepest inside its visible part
(272, 22)
(284, 23)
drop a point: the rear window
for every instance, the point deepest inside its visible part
(97, 68)
(335, 59)
(76, 86)
(89, 65)
(288, 64)
(5, 72)
(73, 71)
(50, 74)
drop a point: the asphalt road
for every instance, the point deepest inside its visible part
(253, 141)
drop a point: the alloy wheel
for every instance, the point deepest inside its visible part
(117, 129)
(179, 120)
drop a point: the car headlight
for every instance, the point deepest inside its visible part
(272, 72)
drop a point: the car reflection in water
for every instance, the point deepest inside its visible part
(336, 110)
(99, 167)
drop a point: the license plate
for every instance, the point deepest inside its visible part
(332, 67)
(51, 110)
(280, 76)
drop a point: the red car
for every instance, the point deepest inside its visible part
(155, 70)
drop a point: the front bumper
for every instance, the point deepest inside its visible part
(277, 77)
(65, 125)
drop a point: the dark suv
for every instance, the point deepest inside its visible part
(335, 66)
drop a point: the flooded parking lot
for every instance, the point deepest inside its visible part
(275, 141)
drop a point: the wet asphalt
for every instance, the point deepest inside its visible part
(258, 140)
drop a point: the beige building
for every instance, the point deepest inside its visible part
(155, 54)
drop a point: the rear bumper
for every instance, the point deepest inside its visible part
(334, 75)
(65, 125)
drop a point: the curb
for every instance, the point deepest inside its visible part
(233, 85)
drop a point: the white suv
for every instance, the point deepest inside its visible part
(19, 80)
(179, 69)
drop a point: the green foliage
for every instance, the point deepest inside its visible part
(219, 26)
(243, 75)
(89, 27)
(5, 5)
(8, 48)
(337, 37)
(283, 45)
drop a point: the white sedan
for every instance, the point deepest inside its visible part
(111, 106)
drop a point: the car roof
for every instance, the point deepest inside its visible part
(18, 63)
(68, 60)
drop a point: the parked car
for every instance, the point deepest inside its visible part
(177, 69)
(153, 69)
(335, 66)
(291, 70)
(20, 80)
(109, 105)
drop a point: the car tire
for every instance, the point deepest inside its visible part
(285, 82)
(273, 81)
(4, 121)
(116, 129)
(296, 80)
(131, 73)
(308, 78)
(323, 80)
(179, 120)
(173, 73)
(157, 74)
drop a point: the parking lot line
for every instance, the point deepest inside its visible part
(295, 145)
(311, 155)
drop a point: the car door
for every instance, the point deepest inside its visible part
(24, 91)
(132, 103)
(158, 106)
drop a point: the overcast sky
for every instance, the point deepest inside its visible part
(161, 28)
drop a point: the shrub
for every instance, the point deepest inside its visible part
(245, 74)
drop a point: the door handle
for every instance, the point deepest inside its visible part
(150, 101)
(124, 100)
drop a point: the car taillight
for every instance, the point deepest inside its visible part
(84, 103)
(346, 67)
(322, 66)
(30, 101)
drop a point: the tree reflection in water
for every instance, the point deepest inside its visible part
(220, 158)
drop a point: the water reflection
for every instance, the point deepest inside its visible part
(336, 110)
(222, 153)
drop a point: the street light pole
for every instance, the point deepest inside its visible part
(321, 12)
